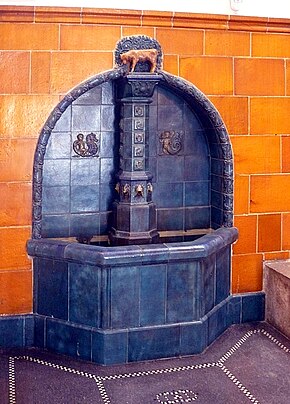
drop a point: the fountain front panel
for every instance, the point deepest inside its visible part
(150, 171)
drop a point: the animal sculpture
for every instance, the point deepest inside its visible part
(140, 55)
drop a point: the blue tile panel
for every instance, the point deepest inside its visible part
(52, 293)
(84, 294)
(188, 187)
(132, 344)
(67, 339)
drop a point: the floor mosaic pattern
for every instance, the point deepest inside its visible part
(248, 363)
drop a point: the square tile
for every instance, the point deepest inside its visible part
(84, 198)
(110, 347)
(84, 294)
(59, 145)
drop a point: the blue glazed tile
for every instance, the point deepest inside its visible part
(193, 338)
(108, 170)
(84, 198)
(196, 168)
(216, 150)
(195, 142)
(168, 195)
(55, 226)
(153, 253)
(217, 322)
(183, 292)
(59, 146)
(169, 219)
(208, 268)
(191, 120)
(166, 97)
(196, 193)
(107, 118)
(169, 167)
(84, 294)
(153, 343)
(216, 183)
(153, 170)
(52, 282)
(217, 199)
(234, 310)
(39, 331)
(85, 171)
(253, 307)
(107, 196)
(223, 278)
(169, 117)
(56, 172)
(216, 217)
(108, 144)
(91, 97)
(28, 330)
(152, 294)
(105, 222)
(125, 296)
(68, 339)
(197, 218)
(84, 224)
(11, 331)
(107, 93)
(55, 200)
(109, 347)
(86, 118)
(217, 167)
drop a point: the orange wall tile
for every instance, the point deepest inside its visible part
(180, 41)
(225, 43)
(247, 273)
(16, 202)
(288, 77)
(58, 14)
(234, 112)
(170, 64)
(286, 154)
(157, 18)
(70, 68)
(14, 72)
(111, 16)
(252, 156)
(89, 37)
(40, 72)
(15, 292)
(13, 151)
(12, 247)
(15, 13)
(269, 232)
(286, 231)
(281, 255)
(271, 45)
(269, 193)
(15, 111)
(247, 241)
(259, 76)
(29, 36)
(127, 31)
(241, 194)
(212, 75)
(269, 115)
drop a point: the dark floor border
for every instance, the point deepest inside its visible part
(134, 344)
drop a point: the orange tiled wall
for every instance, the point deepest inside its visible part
(242, 64)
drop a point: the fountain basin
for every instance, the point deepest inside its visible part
(123, 304)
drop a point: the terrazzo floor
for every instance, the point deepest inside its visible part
(248, 363)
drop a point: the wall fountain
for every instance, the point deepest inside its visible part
(132, 217)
